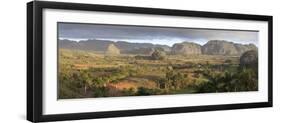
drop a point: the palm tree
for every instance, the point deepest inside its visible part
(248, 80)
(86, 80)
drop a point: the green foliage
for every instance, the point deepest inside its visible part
(242, 80)
(172, 80)
(248, 80)
(100, 92)
(86, 74)
(77, 83)
(228, 61)
(162, 83)
(146, 91)
(129, 92)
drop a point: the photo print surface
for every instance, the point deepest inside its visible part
(102, 60)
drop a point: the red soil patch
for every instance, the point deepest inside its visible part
(123, 85)
(127, 84)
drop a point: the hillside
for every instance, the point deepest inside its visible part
(101, 45)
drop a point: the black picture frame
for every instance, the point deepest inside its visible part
(35, 69)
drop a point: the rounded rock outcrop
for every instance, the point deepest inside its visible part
(219, 47)
(112, 50)
(186, 48)
(249, 59)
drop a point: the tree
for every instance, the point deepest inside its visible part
(178, 80)
(172, 79)
(142, 91)
(86, 80)
(248, 80)
(212, 85)
(162, 83)
(129, 92)
(245, 79)
(230, 82)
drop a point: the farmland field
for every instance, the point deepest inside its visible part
(89, 74)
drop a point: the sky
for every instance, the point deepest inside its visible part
(154, 35)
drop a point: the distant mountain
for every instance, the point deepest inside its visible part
(91, 45)
(212, 47)
(221, 47)
(244, 48)
(127, 46)
(186, 48)
(143, 51)
(102, 45)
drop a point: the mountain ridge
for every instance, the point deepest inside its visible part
(212, 47)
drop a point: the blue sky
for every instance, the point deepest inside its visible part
(155, 35)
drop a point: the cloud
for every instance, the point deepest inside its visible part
(156, 35)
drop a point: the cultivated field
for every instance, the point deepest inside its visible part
(86, 74)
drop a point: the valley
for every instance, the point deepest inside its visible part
(182, 69)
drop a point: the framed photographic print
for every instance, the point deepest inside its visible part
(96, 61)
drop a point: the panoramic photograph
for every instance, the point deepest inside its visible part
(103, 60)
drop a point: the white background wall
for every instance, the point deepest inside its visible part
(13, 61)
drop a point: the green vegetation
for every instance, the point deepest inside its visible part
(91, 74)
(244, 79)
